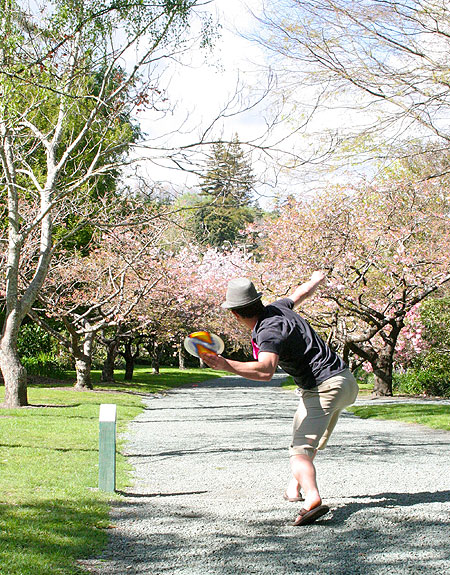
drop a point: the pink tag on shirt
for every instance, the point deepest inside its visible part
(255, 350)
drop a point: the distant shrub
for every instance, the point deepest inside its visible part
(364, 378)
(43, 364)
(422, 381)
(39, 351)
(33, 340)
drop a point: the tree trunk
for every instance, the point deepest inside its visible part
(108, 366)
(382, 371)
(83, 369)
(382, 366)
(14, 376)
(18, 304)
(156, 355)
(346, 354)
(181, 364)
(381, 362)
(129, 361)
(129, 369)
(154, 351)
(83, 364)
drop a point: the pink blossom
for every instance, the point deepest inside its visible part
(367, 367)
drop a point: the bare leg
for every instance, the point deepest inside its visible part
(304, 474)
(293, 488)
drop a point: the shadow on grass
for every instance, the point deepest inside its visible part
(70, 449)
(50, 536)
(51, 405)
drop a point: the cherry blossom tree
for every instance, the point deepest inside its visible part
(189, 295)
(203, 290)
(385, 248)
(411, 342)
(88, 294)
(185, 298)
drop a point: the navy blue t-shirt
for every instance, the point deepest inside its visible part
(302, 353)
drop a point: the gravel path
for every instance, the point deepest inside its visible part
(211, 464)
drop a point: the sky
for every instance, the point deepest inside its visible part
(204, 86)
(210, 81)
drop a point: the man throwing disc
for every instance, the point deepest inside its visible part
(326, 386)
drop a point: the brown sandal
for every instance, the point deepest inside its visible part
(308, 516)
(293, 499)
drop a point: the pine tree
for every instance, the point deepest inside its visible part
(226, 192)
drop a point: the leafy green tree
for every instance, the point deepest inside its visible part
(63, 100)
(226, 196)
(424, 349)
(229, 178)
(435, 316)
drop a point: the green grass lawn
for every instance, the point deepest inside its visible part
(51, 513)
(145, 381)
(431, 415)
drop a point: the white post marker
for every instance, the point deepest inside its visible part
(107, 447)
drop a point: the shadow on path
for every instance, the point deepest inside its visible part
(389, 500)
(150, 495)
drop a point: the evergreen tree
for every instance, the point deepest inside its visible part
(226, 192)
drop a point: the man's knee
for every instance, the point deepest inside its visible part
(308, 450)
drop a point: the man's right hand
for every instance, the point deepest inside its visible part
(215, 361)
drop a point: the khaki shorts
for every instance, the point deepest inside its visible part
(318, 412)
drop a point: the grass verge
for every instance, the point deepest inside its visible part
(51, 513)
(430, 415)
(144, 381)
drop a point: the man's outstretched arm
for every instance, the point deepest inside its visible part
(306, 289)
(260, 370)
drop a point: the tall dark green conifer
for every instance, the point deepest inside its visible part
(226, 192)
